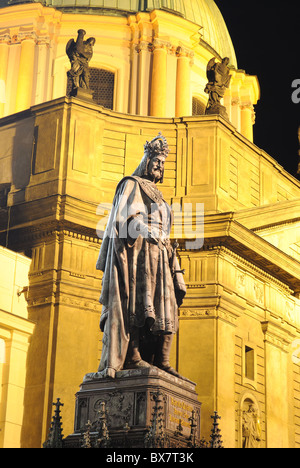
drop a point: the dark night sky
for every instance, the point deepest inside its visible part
(266, 38)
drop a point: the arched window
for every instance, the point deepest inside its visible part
(198, 107)
(102, 84)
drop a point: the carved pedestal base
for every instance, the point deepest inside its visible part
(142, 407)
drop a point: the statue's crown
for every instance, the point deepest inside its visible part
(158, 146)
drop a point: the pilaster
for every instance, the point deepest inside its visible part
(183, 81)
(5, 40)
(241, 98)
(28, 41)
(279, 375)
(143, 92)
(159, 78)
(134, 61)
(63, 295)
(247, 120)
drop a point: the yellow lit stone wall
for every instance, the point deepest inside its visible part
(243, 291)
(15, 333)
(232, 304)
(63, 301)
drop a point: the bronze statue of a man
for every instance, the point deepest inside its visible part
(80, 53)
(142, 284)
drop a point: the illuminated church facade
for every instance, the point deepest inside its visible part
(60, 161)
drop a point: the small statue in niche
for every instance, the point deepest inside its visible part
(218, 80)
(80, 54)
(251, 430)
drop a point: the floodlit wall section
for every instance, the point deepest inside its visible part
(15, 331)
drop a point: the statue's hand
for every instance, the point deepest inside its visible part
(151, 239)
(161, 244)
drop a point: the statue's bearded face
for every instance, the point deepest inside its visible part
(156, 168)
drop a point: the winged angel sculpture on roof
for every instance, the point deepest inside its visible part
(80, 54)
(218, 80)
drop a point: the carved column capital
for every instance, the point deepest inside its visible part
(247, 105)
(236, 102)
(43, 40)
(182, 51)
(143, 45)
(159, 44)
(5, 37)
(27, 36)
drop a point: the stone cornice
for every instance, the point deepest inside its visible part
(217, 307)
(255, 270)
(270, 216)
(225, 230)
(67, 300)
(277, 336)
(54, 229)
(14, 322)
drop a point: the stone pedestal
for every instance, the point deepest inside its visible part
(217, 109)
(137, 401)
(83, 94)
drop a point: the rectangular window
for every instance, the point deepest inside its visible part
(249, 363)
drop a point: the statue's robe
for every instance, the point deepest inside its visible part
(137, 284)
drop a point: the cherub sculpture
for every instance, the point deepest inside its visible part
(80, 54)
(218, 80)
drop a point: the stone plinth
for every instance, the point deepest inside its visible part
(130, 401)
(83, 94)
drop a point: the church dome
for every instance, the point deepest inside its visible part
(204, 13)
(149, 57)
